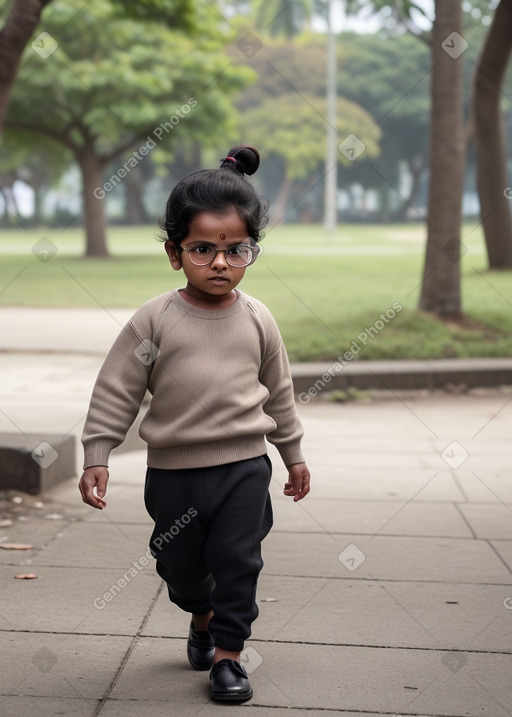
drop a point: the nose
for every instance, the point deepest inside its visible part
(220, 259)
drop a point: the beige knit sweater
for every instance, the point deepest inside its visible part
(219, 379)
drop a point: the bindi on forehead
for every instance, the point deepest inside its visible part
(222, 235)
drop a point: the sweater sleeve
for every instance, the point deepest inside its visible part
(275, 375)
(117, 395)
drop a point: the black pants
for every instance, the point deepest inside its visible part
(209, 524)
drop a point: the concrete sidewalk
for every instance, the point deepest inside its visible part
(388, 591)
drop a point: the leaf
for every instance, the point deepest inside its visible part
(26, 576)
(15, 546)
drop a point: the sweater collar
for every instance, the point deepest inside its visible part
(207, 313)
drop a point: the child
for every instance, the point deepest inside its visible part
(214, 362)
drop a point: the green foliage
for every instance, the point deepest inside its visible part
(113, 79)
(283, 66)
(402, 6)
(174, 13)
(392, 80)
(293, 126)
(283, 17)
(401, 9)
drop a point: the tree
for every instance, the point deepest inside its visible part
(37, 164)
(140, 85)
(440, 293)
(390, 80)
(291, 128)
(491, 155)
(23, 18)
(284, 17)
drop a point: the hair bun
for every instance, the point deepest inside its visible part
(247, 159)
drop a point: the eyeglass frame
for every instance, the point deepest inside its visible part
(255, 250)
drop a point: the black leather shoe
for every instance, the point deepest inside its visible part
(230, 682)
(200, 648)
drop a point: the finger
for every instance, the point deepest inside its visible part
(305, 488)
(289, 489)
(96, 502)
(101, 487)
(301, 494)
(89, 497)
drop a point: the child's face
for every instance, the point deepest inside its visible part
(220, 231)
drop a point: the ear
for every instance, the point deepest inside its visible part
(173, 254)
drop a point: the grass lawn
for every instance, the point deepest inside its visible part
(325, 291)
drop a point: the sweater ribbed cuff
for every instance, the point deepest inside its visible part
(291, 453)
(97, 453)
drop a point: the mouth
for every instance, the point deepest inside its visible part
(219, 280)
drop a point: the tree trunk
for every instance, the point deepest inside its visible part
(440, 293)
(135, 210)
(93, 201)
(490, 143)
(21, 22)
(283, 196)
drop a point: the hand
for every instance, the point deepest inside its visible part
(298, 481)
(94, 477)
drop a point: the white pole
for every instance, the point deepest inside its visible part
(331, 158)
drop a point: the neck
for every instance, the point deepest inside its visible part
(202, 300)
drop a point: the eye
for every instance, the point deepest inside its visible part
(239, 250)
(202, 250)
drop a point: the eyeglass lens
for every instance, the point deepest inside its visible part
(239, 255)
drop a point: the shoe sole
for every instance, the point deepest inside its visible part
(236, 697)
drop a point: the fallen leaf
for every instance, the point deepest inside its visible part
(15, 546)
(269, 600)
(26, 576)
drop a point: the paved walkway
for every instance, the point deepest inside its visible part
(388, 591)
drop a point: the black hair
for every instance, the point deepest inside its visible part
(210, 190)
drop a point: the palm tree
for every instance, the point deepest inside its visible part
(284, 17)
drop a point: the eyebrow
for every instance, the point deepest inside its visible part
(198, 242)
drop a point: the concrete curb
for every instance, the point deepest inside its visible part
(313, 378)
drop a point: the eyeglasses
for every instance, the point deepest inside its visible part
(238, 255)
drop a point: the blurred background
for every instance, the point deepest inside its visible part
(384, 131)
